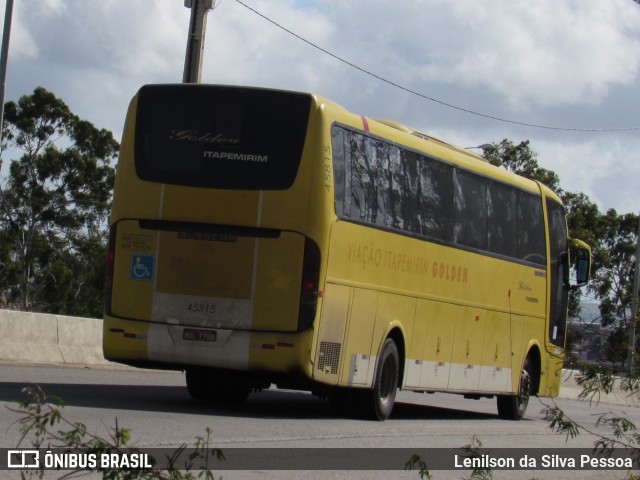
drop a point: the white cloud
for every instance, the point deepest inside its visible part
(550, 62)
(532, 54)
(21, 43)
(244, 48)
(600, 168)
(110, 35)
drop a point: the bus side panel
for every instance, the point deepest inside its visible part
(387, 261)
(393, 311)
(551, 387)
(438, 346)
(524, 337)
(468, 302)
(363, 343)
(416, 347)
(467, 349)
(281, 352)
(360, 337)
(329, 348)
(495, 372)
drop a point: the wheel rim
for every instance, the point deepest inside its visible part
(525, 389)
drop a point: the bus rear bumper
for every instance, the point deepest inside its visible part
(172, 346)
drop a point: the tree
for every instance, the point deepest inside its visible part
(612, 283)
(54, 203)
(522, 160)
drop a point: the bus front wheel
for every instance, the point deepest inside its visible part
(513, 407)
(385, 383)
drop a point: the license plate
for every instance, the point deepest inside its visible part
(199, 335)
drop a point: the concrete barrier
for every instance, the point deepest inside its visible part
(52, 339)
(570, 389)
(56, 339)
(80, 340)
(29, 337)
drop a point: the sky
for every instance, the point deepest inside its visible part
(439, 66)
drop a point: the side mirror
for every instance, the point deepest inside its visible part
(581, 255)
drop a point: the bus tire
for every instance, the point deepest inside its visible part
(198, 383)
(385, 383)
(204, 384)
(513, 407)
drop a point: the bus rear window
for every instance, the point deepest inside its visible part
(220, 137)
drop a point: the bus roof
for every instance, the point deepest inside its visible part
(428, 144)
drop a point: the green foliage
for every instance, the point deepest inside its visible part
(623, 431)
(44, 426)
(583, 218)
(613, 280)
(560, 423)
(596, 380)
(54, 203)
(616, 347)
(613, 238)
(417, 463)
(473, 450)
(522, 160)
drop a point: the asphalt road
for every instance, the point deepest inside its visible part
(160, 413)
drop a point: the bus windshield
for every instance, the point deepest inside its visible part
(220, 138)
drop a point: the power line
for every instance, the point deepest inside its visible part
(426, 97)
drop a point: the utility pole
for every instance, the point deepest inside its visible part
(4, 55)
(195, 39)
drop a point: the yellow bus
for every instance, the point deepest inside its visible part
(263, 237)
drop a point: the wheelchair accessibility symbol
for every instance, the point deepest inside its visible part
(142, 267)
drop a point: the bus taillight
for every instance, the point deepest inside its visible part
(310, 279)
(111, 257)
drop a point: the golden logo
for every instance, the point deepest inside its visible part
(205, 137)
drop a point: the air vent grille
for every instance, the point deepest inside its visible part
(329, 357)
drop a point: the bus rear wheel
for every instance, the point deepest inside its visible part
(513, 407)
(207, 384)
(380, 399)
